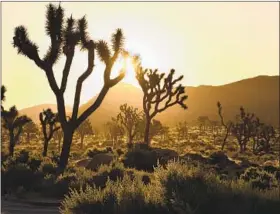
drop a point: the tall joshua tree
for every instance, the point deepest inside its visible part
(243, 129)
(159, 93)
(64, 38)
(83, 130)
(49, 123)
(129, 118)
(14, 124)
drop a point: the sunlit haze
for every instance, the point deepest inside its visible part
(209, 43)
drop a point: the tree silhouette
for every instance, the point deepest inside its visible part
(49, 123)
(14, 124)
(243, 129)
(83, 130)
(129, 118)
(227, 126)
(30, 128)
(262, 136)
(114, 130)
(159, 93)
(64, 38)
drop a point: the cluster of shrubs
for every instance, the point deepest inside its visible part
(27, 172)
(176, 188)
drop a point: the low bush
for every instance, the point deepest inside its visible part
(141, 159)
(259, 178)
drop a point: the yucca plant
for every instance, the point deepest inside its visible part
(65, 36)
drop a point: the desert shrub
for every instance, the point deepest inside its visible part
(114, 171)
(178, 188)
(141, 159)
(122, 196)
(188, 190)
(19, 175)
(218, 157)
(22, 156)
(35, 162)
(259, 178)
(48, 166)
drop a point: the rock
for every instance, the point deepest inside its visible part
(83, 163)
(100, 159)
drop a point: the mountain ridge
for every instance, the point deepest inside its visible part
(259, 95)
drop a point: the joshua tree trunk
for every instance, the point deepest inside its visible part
(45, 149)
(67, 141)
(147, 131)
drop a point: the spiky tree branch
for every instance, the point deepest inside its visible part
(158, 90)
(64, 37)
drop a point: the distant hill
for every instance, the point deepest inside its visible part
(259, 95)
(34, 111)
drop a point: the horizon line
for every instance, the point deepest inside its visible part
(124, 83)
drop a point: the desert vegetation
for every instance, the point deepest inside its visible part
(135, 163)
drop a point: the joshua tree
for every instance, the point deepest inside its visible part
(30, 128)
(182, 130)
(243, 129)
(49, 123)
(114, 130)
(227, 126)
(83, 130)
(14, 124)
(130, 119)
(159, 93)
(64, 39)
(262, 136)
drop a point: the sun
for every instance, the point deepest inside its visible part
(125, 63)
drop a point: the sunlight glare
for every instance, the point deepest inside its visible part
(126, 64)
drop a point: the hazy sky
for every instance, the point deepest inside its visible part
(210, 43)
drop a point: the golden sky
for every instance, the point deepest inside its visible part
(209, 43)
